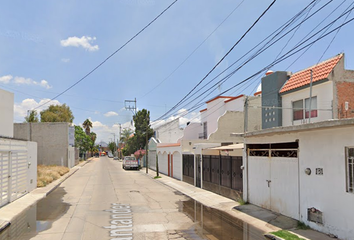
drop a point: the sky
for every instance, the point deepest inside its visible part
(47, 46)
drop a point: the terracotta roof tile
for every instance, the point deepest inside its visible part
(320, 72)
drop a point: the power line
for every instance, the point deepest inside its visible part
(195, 49)
(288, 54)
(217, 64)
(229, 75)
(99, 65)
(283, 27)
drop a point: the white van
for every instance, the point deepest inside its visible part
(130, 163)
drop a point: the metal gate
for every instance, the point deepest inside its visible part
(18, 177)
(4, 177)
(13, 176)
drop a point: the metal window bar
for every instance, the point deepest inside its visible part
(350, 169)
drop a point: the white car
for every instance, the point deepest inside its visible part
(130, 163)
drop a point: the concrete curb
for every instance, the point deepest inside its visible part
(10, 211)
(223, 206)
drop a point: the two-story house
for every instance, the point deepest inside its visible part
(301, 163)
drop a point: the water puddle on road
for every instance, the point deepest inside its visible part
(37, 218)
(213, 224)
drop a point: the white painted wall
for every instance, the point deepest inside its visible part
(191, 132)
(235, 105)
(325, 149)
(6, 113)
(324, 94)
(177, 165)
(163, 161)
(32, 169)
(169, 132)
(216, 109)
(321, 148)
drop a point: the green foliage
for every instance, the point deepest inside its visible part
(241, 201)
(82, 141)
(142, 127)
(87, 126)
(125, 135)
(33, 117)
(157, 177)
(142, 130)
(112, 146)
(286, 235)
(57, 113)
(301, 225)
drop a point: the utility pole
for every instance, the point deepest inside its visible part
(114, 135)
(147, 145)
(120, 136)
(131, 105)
(310, 100)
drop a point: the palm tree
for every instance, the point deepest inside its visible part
(87, 126)
(93, 137)
(125, 135)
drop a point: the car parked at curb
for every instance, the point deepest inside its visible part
(130, 162)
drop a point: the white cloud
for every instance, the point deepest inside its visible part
(84, 41)
(6, 79)
(105, 132)
(20, 109)
(110, 114)
(24, 81)
(66, 60)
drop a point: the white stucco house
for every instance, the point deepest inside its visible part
(331, 93)
(301, 163)
(305, 172)
(18, 159)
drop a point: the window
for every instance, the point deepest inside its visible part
(313, 107)
(350, 169)
(298, 111)
(205, 130)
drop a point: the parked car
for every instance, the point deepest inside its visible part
(110, 155)
(97, 154)
(130, 163)
(115, 158)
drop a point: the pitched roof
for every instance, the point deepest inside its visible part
(319, 72)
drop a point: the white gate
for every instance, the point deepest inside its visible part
(4, 178)
(13, 170)
(273, 183)
(18, 177)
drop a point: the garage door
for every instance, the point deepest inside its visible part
(273, 180)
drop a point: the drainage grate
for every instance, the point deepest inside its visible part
(136, 191)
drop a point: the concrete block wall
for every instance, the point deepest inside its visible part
(51, 138)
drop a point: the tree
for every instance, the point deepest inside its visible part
(112, 146)
(125, 135)
(82, 141)
(143, 131)
(57, 113)
(93, 137)
(87, 125)
(142, 127)
(33, 116)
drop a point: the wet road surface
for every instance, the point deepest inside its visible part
(103, 201)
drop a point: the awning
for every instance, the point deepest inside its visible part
(230, 147)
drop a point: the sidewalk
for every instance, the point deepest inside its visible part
(13, 209)
(263, 219)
